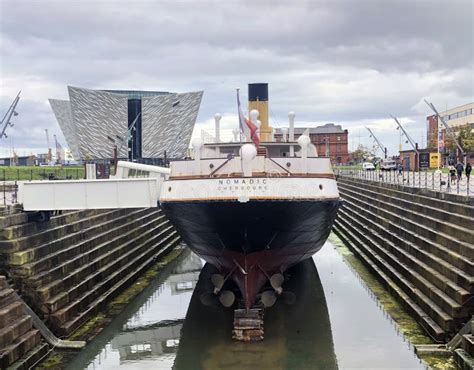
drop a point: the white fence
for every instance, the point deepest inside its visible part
(442, 182)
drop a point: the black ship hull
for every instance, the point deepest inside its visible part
(249, 242)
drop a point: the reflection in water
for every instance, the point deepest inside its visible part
(167, 327)
(296, 336)
(146, 334)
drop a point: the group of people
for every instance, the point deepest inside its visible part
(459, 168)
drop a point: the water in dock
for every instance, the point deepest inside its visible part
(336, 322)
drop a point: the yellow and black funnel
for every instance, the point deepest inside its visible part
(258, 99)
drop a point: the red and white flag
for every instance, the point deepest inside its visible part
(247, 126)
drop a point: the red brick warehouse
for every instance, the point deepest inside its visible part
(330, 141)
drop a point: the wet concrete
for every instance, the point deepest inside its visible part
(336, 322)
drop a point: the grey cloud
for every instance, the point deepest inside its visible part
(329, 60)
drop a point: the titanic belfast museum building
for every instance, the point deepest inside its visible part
(139, 124)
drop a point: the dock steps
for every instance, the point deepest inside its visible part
(69, 267)
(17, 334)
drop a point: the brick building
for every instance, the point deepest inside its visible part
(330, 141)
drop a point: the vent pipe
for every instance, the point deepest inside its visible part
(217, 120)
(291, 138)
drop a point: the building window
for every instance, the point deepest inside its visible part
(338, 138)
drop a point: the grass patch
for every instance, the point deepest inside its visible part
(22, 173)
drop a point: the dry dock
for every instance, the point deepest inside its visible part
(402, 281)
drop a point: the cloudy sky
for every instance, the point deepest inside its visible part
(349, 62)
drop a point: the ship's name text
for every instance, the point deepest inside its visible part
(242, 184)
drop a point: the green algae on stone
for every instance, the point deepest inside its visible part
(94, 322)
(128, 294)
(440, 362)
(53, 361)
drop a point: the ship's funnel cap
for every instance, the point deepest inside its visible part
(258, 91)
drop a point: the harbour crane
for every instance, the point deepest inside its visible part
(8, 115)
(47, 143)
(409, 139)
(382, 148)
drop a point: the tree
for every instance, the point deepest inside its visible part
(361, 154)
(466, 138)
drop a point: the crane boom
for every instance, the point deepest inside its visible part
(382, 148)
(412, 143)
(447, 127)
(6, 118)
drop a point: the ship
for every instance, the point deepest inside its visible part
(252, 209)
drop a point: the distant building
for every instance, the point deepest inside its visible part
(26, 160)
(330, 141)
(455, 117)
(140, 124)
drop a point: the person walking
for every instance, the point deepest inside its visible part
(452, 173)
(468, 171)
(459, 169)
(399, 168)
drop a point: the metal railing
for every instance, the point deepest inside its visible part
(441, 182)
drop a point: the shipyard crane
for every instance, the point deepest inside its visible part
(382, 148)
(8, 115)
(49, 156)
(409, 139)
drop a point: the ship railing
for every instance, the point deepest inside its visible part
(261, 166)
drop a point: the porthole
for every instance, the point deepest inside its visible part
(211, 166)
(288, 164)
(169, 189)
(320, 186)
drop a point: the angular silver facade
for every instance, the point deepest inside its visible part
(93, 117)
(96, 115)
(168, 122)
(63, 113)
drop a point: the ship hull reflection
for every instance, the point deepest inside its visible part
(296, 336)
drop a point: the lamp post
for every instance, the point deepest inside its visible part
(115, 154)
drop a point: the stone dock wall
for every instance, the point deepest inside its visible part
(421, 247)
(69, 267)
